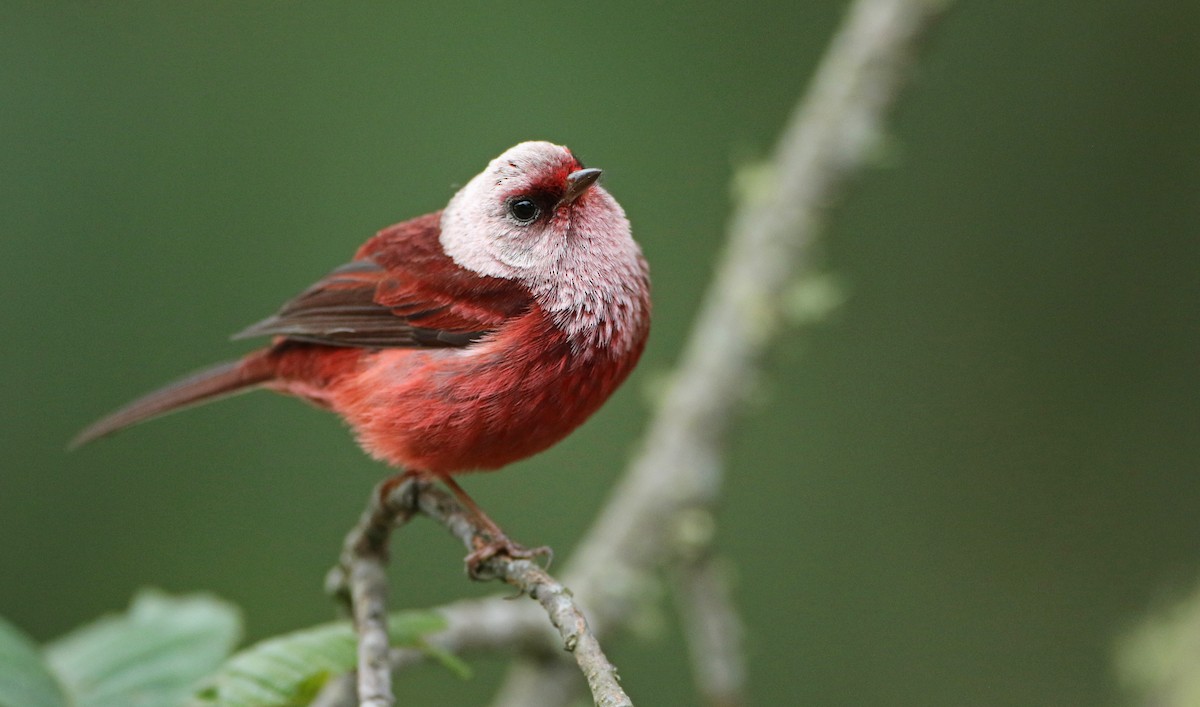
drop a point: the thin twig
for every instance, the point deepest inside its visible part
(360, 580)
(360, 573)
(528, 577)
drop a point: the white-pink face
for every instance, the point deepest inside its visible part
(537, 216)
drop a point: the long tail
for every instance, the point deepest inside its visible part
(200, 387)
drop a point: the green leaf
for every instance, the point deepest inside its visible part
(25, 681)
(449, 661)
(151, 656)
(290, 669)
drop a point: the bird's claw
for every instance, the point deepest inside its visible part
(502, 547)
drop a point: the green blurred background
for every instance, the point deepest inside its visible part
(961, 489)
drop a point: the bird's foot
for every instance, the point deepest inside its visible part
(501, 547)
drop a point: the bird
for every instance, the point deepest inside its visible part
(462, 340)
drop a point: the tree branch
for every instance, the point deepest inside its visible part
(531, 579)
(360, 581)
(360, 576)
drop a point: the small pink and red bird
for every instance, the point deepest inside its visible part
(465, 339)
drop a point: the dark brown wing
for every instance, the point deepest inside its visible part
(341, 310)
(401, 291)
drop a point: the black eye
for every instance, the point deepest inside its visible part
(524, 210)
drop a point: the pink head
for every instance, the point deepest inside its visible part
(535, 215)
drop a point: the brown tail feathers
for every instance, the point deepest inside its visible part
(200, 387)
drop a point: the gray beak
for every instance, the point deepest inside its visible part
(578, 182)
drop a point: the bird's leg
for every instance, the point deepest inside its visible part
(499, 544)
